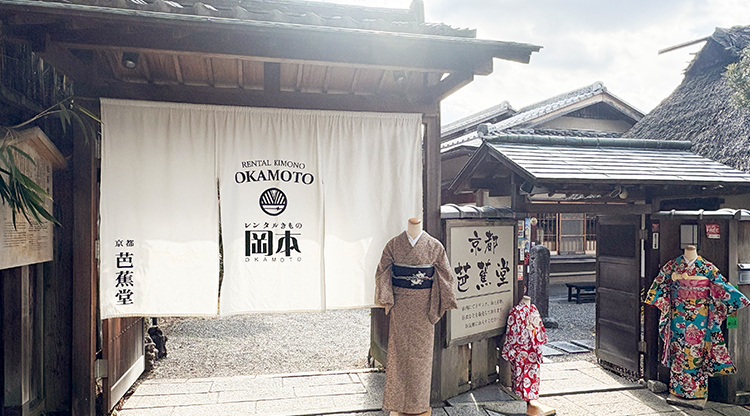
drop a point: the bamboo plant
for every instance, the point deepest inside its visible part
(18, 191)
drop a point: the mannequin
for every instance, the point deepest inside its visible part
(525, 335)
(688, 290)
(414, 228)
(414, 283)
(691, 253)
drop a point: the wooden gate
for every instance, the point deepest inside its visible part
(123, 353)
(618, 287)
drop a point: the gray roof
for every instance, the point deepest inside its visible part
(450, 130)
(533, 112)
(726, 213)
(547, 159)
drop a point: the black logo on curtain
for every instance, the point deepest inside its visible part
(273, 201)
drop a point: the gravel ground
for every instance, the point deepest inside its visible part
(306, 342)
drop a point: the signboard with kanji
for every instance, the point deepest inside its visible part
(28, 242)
(481, 253)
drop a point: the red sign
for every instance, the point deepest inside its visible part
(712, 231)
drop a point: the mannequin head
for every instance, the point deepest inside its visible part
(414, 227)
(691, 253)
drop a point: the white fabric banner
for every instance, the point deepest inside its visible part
(271, 211)
(308, 201)
(159, 213)
(372, 177)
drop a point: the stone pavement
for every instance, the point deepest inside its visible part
(576, 388)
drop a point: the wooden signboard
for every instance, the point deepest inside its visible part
(481, 253)
(27, 242)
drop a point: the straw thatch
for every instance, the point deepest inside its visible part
(700, 109)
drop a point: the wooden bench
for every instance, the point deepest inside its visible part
(584, 292)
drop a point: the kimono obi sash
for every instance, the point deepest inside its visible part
(412, 277)
(692, 289)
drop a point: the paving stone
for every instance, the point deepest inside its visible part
(293, 405)
(239, 409)
(160, 411)
(359, 402)
(165, 380)
(492, 397)
(173, 388)
(569, 365)
(266, 393)
(584, 343)
(246, 383)
(173, 400)
(550, 352)
(309, 391)
(567, 347)
(322, 380)
(372, 381)
(465, 411)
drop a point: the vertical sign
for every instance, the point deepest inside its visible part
(481, 255)
(27, 242)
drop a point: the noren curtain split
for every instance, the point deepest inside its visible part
(305, 200)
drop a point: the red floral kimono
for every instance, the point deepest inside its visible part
(524, 336)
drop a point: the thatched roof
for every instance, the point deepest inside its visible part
(700, 109)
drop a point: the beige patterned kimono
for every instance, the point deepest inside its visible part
(413, 314)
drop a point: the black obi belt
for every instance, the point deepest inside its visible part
(412, 277)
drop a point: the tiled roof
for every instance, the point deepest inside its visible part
(476, 118)
(550, 105)
(623, 161)
(474, 140)
(295, 12)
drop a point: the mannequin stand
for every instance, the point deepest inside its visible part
(699, 404)
(534, 408)
(427, 413)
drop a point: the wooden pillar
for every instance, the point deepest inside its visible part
(17, 335)
(431, 174)
(83, 336)
(651, 314)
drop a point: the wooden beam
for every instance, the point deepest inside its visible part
(451, 84)
(355, 80)
(327, 79)
(146, 69)
(83, 352)
(272, 77)
(255, 98)
(572, 208)
(240, 74)
(390, 51)
(210, 71)
(431, 172)
(178, 69)
(298, 82)
(64, 61)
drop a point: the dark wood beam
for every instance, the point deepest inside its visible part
(576, 208)
(272, 77)
(178, 69)
(64, 60)
(255, 98)
(451, 84)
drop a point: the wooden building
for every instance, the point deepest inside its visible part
(625, 182)
(283, 54)
(590, 111)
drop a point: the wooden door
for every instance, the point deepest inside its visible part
(124, 354)
(618, 287)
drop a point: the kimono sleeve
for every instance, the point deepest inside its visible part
(383, 287)
(442, 297)
(659, 295)
(726, 297)
(512, 336)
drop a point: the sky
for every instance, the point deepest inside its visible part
(584, 41)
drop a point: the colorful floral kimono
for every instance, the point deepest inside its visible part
(694, 299)
(524, 336)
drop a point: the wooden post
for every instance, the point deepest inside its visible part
(17, 334)
(431, 174)
(651, 314)
(84, 316)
